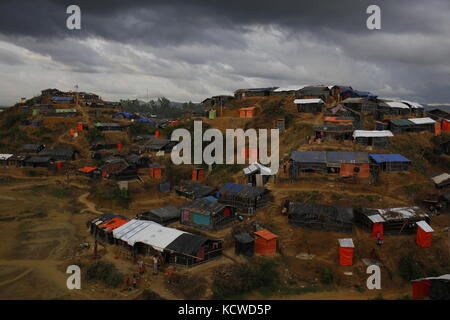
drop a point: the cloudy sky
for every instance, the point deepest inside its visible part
(189, 50)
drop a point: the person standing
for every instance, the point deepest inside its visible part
(155, 265)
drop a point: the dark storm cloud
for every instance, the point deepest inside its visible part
(199, 47)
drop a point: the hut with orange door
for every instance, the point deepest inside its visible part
(266, 243)
(247, 112)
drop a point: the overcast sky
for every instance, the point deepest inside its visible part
(189, 50)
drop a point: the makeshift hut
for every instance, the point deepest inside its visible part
(335, 132)
(155, 171)
(119, 170)
(412, 125)
(198, 174)
(320, 217)
(205, 214)
(39, 162)
(424, 235)
(390, 162)
(441, 180)
(60, 154)
(90, 172)
(110, 126)
(4, 158)
(157, 144)
(346, 251)
(346, 164)
(32, 148)
(102, 145)
(164, 215)
(244, 244)
(257, 174)
(392, 221)
(373, 138)
(309, 105)
(193, 190)
(266, 243)
(361, 104)
(433, 288)
(314, 92)
(253, 92)
(174, 246)
(244, 199)
(16, 160)
(105, 229)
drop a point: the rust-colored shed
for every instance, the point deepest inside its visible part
(265, 243)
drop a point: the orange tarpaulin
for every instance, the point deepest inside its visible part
(265, 243)
(157, 134)
(155, 172)
(333, 119)
(348, 170)
(345, 256)
(248, 112)
(198, 174)
(377, 227)
(445, 125)
(423, 238)
(119, 146)
(86, 169)
(420, 289)
(112, 224)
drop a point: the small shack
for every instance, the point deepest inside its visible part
(244, 244)
(244, 199)
(433, 288)
(39, 162)
(412, 125)
(32, 148)
(391, 221)
(119, 170)
(155, 171)
(441, 180)
(60, 154)
(90, 172)
(105, 229)
(198, 174)
(257, 174)
(337, 132)
(346, 250)
(205, 214)
(4, 158)
(424, 235)
(361, 104)
(164, 215)
(375, 138)
(309, 105)
(266, 243)
(110, 126)
(193, 190)
(390, 162)
(320, 217)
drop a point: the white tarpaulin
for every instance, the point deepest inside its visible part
(441, 178)
(255, 166)
(306, 101)
(372, 133)
(422, 120)
(396, 104)
(147, 232)
(346, 243)
(5, 156)
(413, 104)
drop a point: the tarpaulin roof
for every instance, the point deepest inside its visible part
(288, 88)
(346, 243)
(256, 167)
(87, 169)
(5, 156)
(113, 223)
(442, 277)
(396, 104)
(329, 156)
(204, 207)
(372, 133)
(339, 119)
(440, 178)
(422, 120)
(231, 187)
(61, 98)
(147, 232)
(243, 237)
(187, 243)
(305, 101)
(402, 213)
(309, 156)
(413, 104)
(241, 190)
(388, 157)
(363, 94)
(168, 212)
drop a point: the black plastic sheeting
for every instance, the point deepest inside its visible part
(187, 243)
(440, 290)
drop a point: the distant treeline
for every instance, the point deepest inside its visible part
(163, 107)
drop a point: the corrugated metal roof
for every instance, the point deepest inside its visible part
(346, 243)
(401, 122)
(422, 120)
(440, 178)
(397, 104)
(376, 218)
(309, 156)
(305, 101)
(424, 226)
(372, 133)
(388, 157)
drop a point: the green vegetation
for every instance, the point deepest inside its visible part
(93, 135)
(326, 276)
(410, 269)
(233, 281)
(104, 272)
(122, 197)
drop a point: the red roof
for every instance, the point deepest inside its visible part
(112, 224)
(266, 234)
(87, 169)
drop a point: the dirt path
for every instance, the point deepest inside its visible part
(90, 205)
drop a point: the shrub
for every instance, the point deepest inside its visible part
(410, 269)
(104, 272)
(326, 276)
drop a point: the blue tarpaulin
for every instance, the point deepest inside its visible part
(231, 187)
(62, 98)
(126, 115)
(388, 157)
